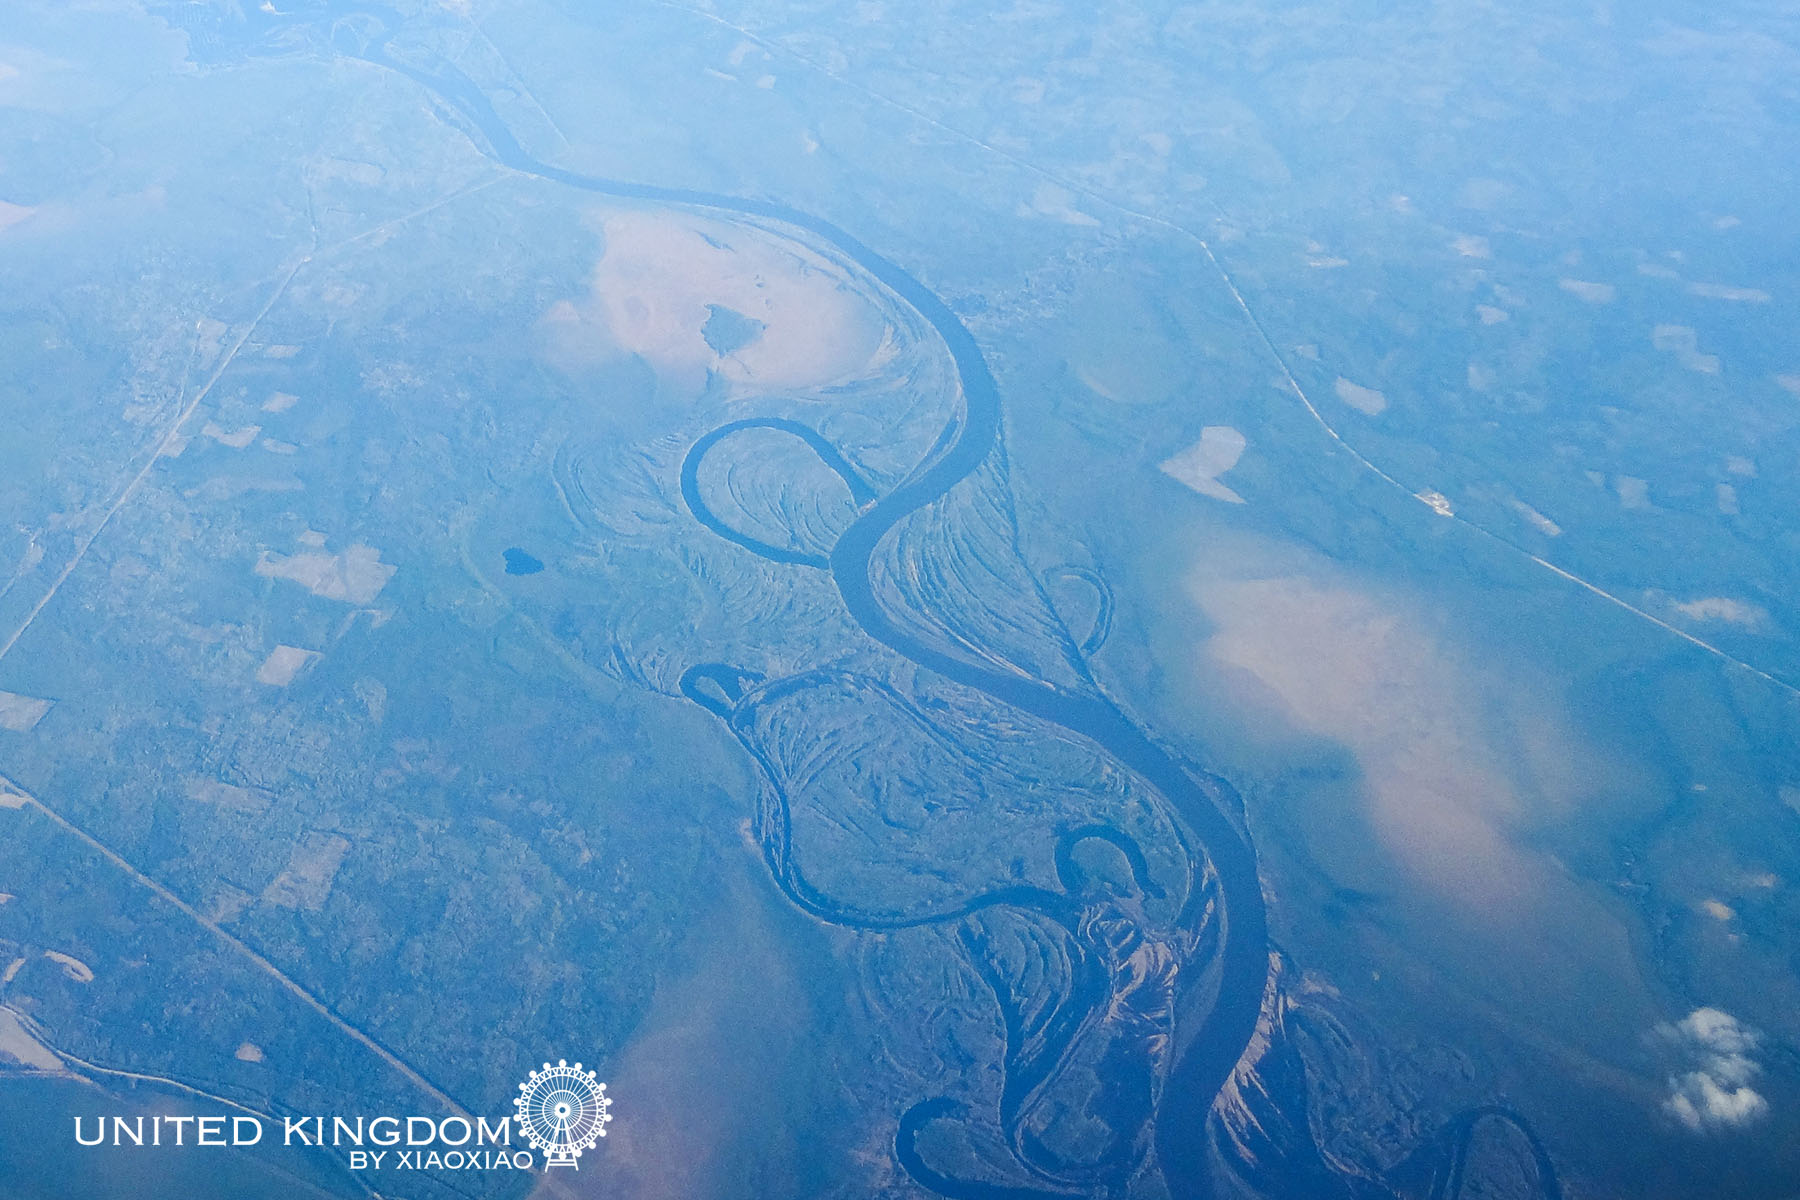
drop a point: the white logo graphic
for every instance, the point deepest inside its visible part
(563, 1111)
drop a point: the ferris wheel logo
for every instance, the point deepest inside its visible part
(563, 1111)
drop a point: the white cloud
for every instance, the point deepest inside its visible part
(1716, 1092)
(1722, 608)
(1719, 291)
(1362, 399)
(357, 575)
(1593, 293)
(1684, 344)
(1200, 465)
